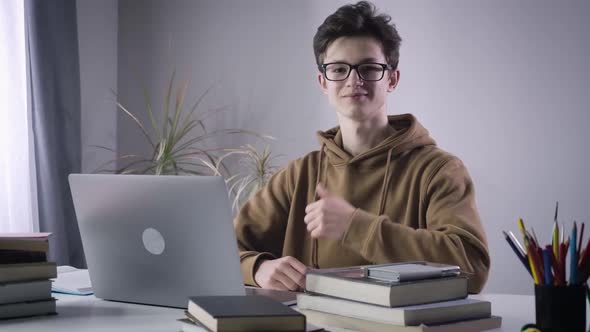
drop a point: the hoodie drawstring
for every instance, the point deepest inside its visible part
(314, 243)
(385, 185)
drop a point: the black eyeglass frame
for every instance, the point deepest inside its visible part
(384, 66)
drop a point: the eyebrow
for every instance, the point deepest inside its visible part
(370, 59)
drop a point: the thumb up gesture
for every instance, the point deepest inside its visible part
(328, 217)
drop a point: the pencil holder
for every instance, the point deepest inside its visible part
(560, 308)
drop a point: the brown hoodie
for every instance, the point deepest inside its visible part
(414, 202)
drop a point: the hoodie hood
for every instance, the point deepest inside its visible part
(409, 135)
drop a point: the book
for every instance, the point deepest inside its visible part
(26, 309)
(438, 312)
(25, 291)
(25, 241)
(244, 313)
(71, 280)
(27, 271)
(410, 271)
(191, 324)
(330, 320)
(352, 283)
(21, 256)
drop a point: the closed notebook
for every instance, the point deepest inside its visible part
(431, 313)
(330, 320)
(27, 271)
(26, 309)
(25, 241)
(25, 291)
(351, 283)
(191, 324)
(244, 313)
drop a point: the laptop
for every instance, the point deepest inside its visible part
(157, 239)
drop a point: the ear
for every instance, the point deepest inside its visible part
(322, 82)
(393, 80)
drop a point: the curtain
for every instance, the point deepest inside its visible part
(17, 181)
(55, 105)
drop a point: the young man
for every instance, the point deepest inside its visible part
(377, 191)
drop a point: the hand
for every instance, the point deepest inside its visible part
(286, 273)
(329, 217)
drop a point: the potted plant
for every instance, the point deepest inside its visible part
(176, 146)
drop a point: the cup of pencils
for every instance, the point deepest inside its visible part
(560, 300)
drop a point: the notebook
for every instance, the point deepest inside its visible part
(157, 239)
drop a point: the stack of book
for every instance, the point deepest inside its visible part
(355, 298)
(25, 273)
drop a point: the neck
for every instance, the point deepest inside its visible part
(361, 136)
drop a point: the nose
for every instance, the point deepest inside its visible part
(354, 78)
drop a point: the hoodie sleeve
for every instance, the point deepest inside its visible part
(260, 224)
(453, 233)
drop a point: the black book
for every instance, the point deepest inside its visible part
(21, 256)
(244, 313)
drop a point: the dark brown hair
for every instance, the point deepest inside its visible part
(360, 19)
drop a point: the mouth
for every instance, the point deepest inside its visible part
(356, 95)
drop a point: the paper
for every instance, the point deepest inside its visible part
(71, 280)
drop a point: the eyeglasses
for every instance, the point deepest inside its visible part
(339, 71)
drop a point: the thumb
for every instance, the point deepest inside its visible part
(321, 190)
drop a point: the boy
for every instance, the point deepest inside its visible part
(377, 191)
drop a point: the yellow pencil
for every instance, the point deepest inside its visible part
(521, 227)
(555, 239)
(531, 263)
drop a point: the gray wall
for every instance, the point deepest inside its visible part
(501, 84)
(97, 43)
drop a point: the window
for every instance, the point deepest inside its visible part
(18, 211)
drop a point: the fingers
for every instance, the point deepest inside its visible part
(295, 263)
(285, 273)
(312, 206)
(295, 277)
(285, 280)
(321, 191)
(311, 216)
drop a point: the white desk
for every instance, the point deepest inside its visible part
(87, 313)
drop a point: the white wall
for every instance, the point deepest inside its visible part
(501, 84)
(97, 44)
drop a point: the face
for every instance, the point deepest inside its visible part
(354, 98)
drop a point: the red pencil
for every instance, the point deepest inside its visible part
(580, 241)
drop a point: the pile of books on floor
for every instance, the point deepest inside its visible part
(375, 298)
(25, 273)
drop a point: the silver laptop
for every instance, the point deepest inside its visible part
(157, 239)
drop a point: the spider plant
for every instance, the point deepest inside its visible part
(256, 168)
(177, 142)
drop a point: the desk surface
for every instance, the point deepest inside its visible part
(87, 313)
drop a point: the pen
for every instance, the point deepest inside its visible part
(515, 241)
(521, 257)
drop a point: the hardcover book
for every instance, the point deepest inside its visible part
(431, 313)
(330, 320)
(244, 313)
(352, 284)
